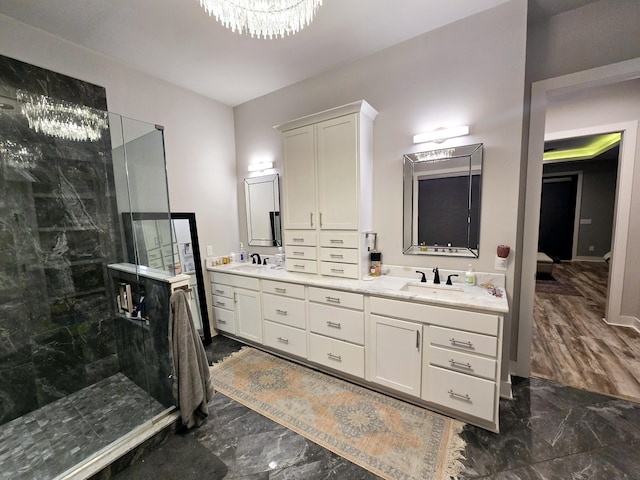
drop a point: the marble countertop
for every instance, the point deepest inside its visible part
(395, 287)
(153, 273)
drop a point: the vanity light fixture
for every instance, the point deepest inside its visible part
(439, 135)
(260, 167)
(263, 18)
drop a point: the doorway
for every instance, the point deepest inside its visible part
(542, 92)
(557, 215)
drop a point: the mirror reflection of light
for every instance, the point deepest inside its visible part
(273, 464)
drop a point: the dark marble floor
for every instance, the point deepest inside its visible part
(48, 441)
(548, 432)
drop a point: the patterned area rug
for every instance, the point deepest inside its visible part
(390, 438)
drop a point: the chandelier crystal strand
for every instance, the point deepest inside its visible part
(263, 18)
(62, 119)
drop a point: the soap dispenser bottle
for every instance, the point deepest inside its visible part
(242, 256)
(280, 258)
(470, 276)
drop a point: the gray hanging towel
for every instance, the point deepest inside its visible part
(192, 386)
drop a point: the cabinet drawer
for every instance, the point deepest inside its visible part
(285, 338)
(447, 317)
(339, 239)
(290, 311)
(301, 266)
(336, 297)
(300, 252)
(463, 362)
(285, 289)
(337, 354)
(463, 341)
(470, 395)
(250, 283)
(300, 237)
(222, 290)
(154, 254)
(345, 270)
(222, 278)
(224, 320)
(167, 251)
(337, 322)
(157, 263)
(339, 255)
(223, 302)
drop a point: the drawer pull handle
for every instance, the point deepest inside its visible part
(458, 364)
(280, 290)
(333, 324)
(219, 291)
(221, 321)
(301, 267)
(221, 304)
(337, 358)
(311, 218)
(460, 395)
(337, 270)
(333, 240)
(336, 255)
(297, 239)
(281, 312)
(283, 340)
(460, 342)
(300, 254)
(332, 299)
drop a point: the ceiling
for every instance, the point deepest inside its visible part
(176, 40)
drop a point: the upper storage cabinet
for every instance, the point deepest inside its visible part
(327, 187)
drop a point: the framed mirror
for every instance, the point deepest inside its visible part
(442, 201)
(262, 198)
(178, 253)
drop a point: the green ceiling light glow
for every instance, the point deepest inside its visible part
(599, 145)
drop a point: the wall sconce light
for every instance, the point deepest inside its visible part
(260, 167)
(439, 135)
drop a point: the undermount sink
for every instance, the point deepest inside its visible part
(431, 288)
(250, 267)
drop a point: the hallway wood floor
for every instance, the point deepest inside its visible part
(572, 344)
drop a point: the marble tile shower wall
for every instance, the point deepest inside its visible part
(58, 229)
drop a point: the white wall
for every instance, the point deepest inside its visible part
(470, 72)
(601, 106)
(199, 139)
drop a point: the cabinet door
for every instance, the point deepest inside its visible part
(396, 354)
(299, 179)
(248, 314)
(338, 178)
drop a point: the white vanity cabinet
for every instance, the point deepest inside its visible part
(327, 190)
(236, 305)
(336, 330)
(395, 346)
(223, 302)
(284, 315)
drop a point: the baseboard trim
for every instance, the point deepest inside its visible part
(626, 321)
(505, 389)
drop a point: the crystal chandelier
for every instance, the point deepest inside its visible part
(62, 119)
(263, 18)
(18, 156)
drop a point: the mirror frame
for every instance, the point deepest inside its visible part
(274, 215)
(129, 217)
(410, 199)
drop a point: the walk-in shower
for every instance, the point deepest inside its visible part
(77, 372)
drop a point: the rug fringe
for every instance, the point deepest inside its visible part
(455, 452)
(242, 350)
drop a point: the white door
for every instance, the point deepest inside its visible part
(299, 179)
(396, 354)
(338, 173)
(248, 314)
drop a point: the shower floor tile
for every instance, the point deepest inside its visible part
(54, 438)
